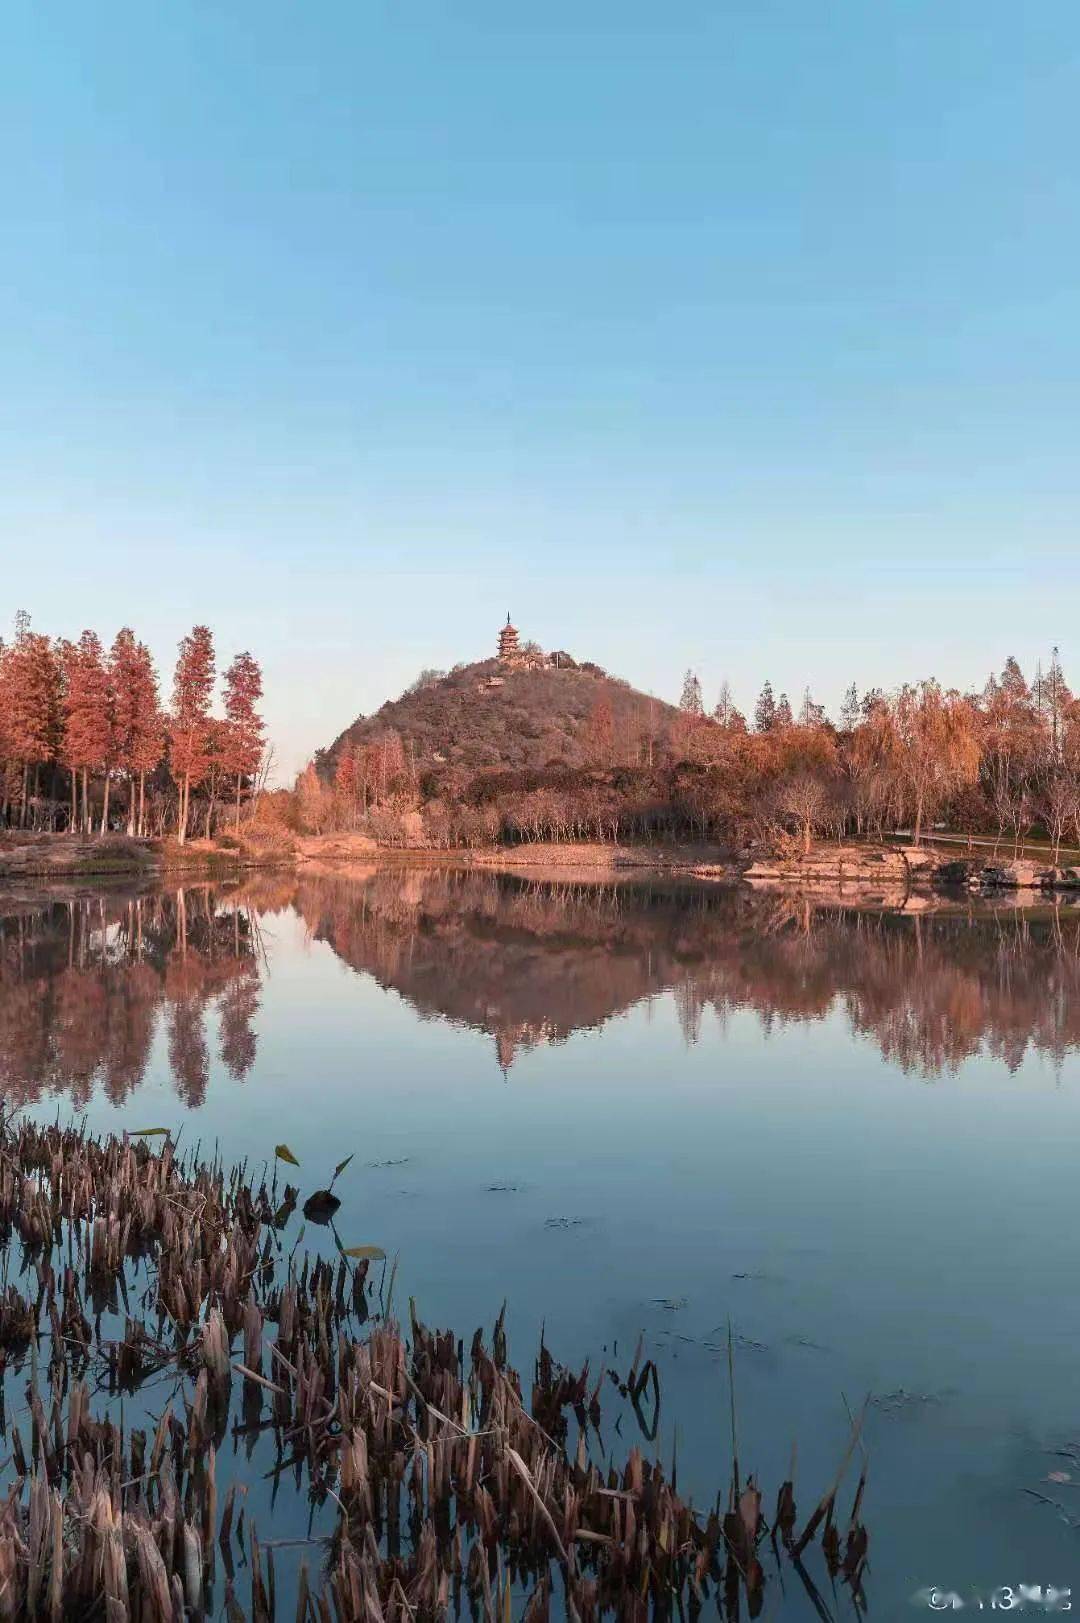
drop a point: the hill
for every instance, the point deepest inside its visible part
(491, 716)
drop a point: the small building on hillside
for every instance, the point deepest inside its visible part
(515, 657)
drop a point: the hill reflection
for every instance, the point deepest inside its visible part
(99, 991)
(531, 962)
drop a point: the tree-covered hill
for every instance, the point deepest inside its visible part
(487, 716)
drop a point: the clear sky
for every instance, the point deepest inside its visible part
(736, 335)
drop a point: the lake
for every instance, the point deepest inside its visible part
(655, 1108)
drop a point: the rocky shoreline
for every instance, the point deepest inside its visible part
(911, 867)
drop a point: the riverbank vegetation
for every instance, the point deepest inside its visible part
(1004, 761)
(87, 745)
(411, 1478)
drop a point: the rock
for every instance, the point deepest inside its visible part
(1060, 878)
(857, 864)
(1018, 875)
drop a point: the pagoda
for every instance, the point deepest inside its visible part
(509, 652)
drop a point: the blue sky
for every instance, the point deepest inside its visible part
(736, 335)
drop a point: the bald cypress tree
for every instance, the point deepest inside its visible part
(242, 743)
(89, 734)
(193, 684)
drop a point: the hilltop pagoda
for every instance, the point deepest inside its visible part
(509, 651)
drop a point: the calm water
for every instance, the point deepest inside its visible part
(648, 1107)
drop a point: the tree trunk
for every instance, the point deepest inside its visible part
(918, 821)
(25, 794)
(85, 803)
(238, 805)
(105, 806)
(181, 830)
(142, 805)
(74, 829)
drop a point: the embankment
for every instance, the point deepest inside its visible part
(886, 868)
(62, 856)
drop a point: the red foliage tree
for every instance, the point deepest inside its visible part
(30, 702)
(193, 684)
(88, 719)
(242, 745)
(139, 724)
(347, 781)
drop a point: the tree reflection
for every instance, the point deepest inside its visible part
(532, 961)
(85, 983)
(94, 991)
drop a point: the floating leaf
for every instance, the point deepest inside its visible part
(283, 1153)
(149, 1132)
(369, 1253)
(321, 1206)
(1060, 1476)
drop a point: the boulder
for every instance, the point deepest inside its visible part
(1019, 875)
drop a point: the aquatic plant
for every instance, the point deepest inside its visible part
(449, 1489)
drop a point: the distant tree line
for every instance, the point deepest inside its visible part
(1003, 761)
(86, 743)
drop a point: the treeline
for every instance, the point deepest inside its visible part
(1004, 761)
(86, 743)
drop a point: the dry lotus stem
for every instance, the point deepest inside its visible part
(445, 1488)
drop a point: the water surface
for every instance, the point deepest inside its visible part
(647, 1107)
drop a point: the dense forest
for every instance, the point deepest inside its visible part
(486, 755)
(87, 745)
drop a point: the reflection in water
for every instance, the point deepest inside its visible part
(911, 1241)
(87, 982)
(531, 962)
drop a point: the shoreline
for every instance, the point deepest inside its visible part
(123, 856)
(898, 869)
